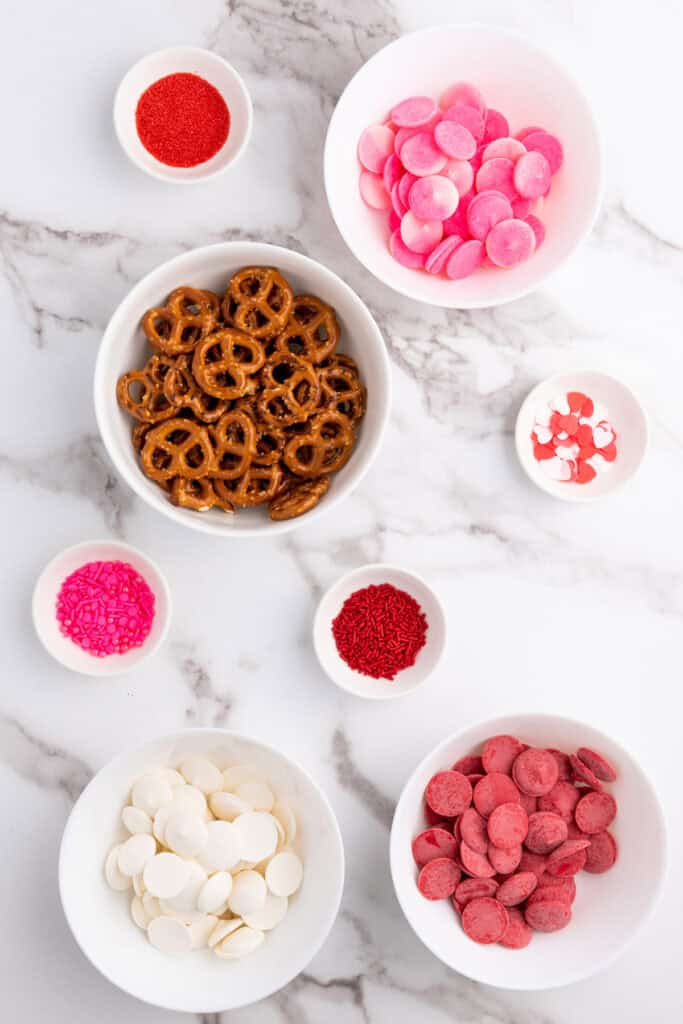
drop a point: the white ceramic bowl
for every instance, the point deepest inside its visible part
(44, 607)
(626, 415)
(213, 69)
(199, 982)
(326, 649)
(527, 85)
(124, 347)
(609, 909)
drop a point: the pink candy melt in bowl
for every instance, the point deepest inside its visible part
(462, 166)
(101, 607)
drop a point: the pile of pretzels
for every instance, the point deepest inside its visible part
(245, 400)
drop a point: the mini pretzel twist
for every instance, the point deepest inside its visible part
(258, 485)
(183, 392)
(143, 397)
(188, 316)
(324, 447)
(195, 494)
(341, 388)
(234, 441)
(291, 390)
(258, 301)
(223, 363)
(270, 440)
(177, 447)
(312, 331)
(298, 498)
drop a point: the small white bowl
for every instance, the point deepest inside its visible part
(626, 415)
(207, 65)
(609, 908)
(44, 607)
(427, 659)
(527, 85)
(199, 982)
(124, 347)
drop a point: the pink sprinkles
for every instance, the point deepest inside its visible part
(106, 608)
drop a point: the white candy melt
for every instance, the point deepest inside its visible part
(135, 852)
(166, 875)
(258, 834)
(214, 894)
(284, 873)
(201, 930)
(256, 794)
(284, 814)
(115, 878)
(137, 912)
(202, 774)
(169, 935)
(186, 834)
(151, 905)
(240, 943)
(269, 915)
(227, 806)
(236, 775)
(136, 820)
(184, 903)
(151, 792)
(222, 929)
(189, 798)
(223, 849)
(248, 893)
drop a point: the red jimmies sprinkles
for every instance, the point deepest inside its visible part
(105, 608)
(380, 630)
(573, 439)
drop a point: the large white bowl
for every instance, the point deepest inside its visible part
(124, 347)
(609, 909)
(198, 982)
(527, 85)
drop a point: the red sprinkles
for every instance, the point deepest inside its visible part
(105, 608)
(380, 630)
(182, 120)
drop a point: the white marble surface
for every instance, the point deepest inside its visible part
(551, 606)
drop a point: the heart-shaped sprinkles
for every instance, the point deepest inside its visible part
(573, 439)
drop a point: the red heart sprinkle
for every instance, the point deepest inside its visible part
(576, 400)
(569, 423)
(587, 409)
(585, 473)
(543, 451)
(584, 435)
(587, 452)
(609, 452)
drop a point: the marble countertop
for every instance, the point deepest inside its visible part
(553, 607)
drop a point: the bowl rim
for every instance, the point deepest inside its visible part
(503, 722)
(484, 28)
(379, 568)
(120, 759)
(158, 172)
(103, 668)
(101, 384)
(578, 497)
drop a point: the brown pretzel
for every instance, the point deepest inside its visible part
(290, 390)
(188, 316)
(223, 363)
(341, 388)
(258, 301)
(258, 485)
(270, 441)
(183, 392)
(312, 331)
(177, 447)
(234, 442)
(195, 494)
(297, 498)
(138, 434)
(141, 396)
(324, 447)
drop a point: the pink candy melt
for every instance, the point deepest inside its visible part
(456, 185)
(105, 608)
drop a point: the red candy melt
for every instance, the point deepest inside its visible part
(521, 835)
(466, 151)
(105, 608)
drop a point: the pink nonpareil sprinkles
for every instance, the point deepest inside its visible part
(573, 438)
(105, 608)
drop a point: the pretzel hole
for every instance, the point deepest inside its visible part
(195, 456)
(224, 379)
(244, 355)
(161, 459)
(162, 326)
(190, 334)
(275, 297)
(137, 391)
(296, 344)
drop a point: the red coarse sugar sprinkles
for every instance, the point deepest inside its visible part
(105, 608)
(182, 120)
(380, 630)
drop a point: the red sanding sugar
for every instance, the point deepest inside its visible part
(380, 631)
(182, 120)
(106, 608)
